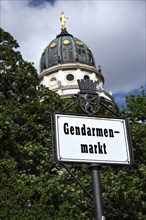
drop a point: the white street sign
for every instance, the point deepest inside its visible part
(92, 140)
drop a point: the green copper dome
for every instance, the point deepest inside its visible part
(66, 49)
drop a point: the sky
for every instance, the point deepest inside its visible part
(115, 30)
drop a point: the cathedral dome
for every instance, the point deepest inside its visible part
(65, 61)
(66, 49)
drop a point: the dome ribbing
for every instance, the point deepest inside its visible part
(66, 49)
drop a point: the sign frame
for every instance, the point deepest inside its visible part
(58, 147)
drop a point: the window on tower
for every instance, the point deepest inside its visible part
(86, 77)
(70, 77)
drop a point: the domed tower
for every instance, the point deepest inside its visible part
(67, 59)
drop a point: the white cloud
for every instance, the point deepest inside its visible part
(115, 31)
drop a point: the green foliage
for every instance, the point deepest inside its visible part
(31, 186)
(127, 195)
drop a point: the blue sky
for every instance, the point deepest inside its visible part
(114, 30)
(120, 97)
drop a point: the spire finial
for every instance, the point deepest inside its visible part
(63, 20)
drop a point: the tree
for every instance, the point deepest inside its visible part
(25, 134)
(127, 194)
(31, 187)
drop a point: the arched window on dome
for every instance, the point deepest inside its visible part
(42, 63)
(67, 51)
(52, 53)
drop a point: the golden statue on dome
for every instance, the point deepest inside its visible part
(63, 20)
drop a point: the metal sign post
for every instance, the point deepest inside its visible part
(97, 192)
(92, 140)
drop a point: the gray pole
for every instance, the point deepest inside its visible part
(91, 107)
(97, 192)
